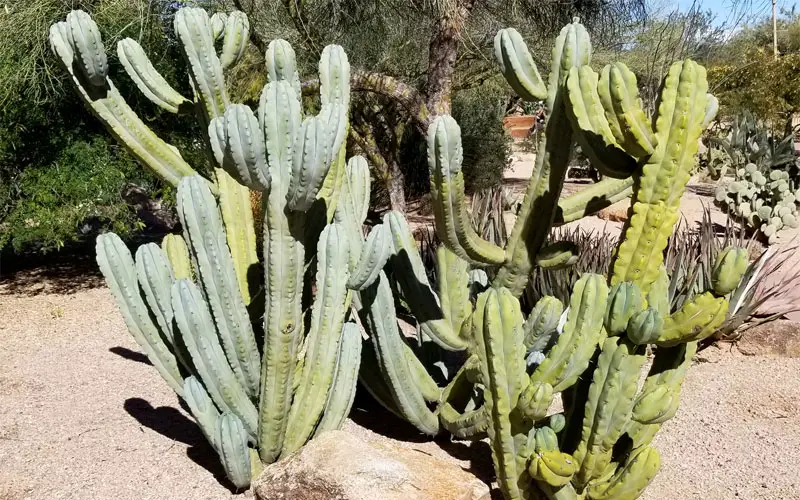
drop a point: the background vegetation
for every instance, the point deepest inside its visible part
(62, 178)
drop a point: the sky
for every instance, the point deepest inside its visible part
(722, 8)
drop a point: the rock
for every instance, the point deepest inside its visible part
(340, 466)
(776, 338)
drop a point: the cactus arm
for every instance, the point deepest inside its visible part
(697, 319)
(283, 319)
(620, 98)
(541, 325)
(592, 199)
(422, 379)
(411, 276)
(453, 284)
(535, 400)
(193, 29)
(316, 147)
(204, 232)
(237, 142)
(658, 400)
(279, 115)
(591, 128)
(343, 389)
(231, 438)
(174, 247)
(664, 175)
(332, 184)
(378, 316)
(322, 342)
(517, 66)
(217, 23)
(202, 408)
(334, 76)
(496, 334)
(447, 194)
(84, 36)
(155, 279)
(281, 64)
(147, 78)
(236, 36)
(200, 337)
(237, 214)
(631, 479)
(583, 330)
(541, 197)
(558, 255)
(456, 418)
(712, 108)
(119, 270)
(471, 424)
(374, 255)
(609, 406)
(119, 119)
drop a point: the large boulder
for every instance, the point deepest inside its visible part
(338, 465)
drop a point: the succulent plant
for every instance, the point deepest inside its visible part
(600, 446)
(757, 173)
(762, 200)
(260, 390)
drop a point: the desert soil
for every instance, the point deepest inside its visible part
(83, 416)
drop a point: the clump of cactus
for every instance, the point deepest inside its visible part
(265, 350)
(762, 200)
(265, 358)
(592, 349)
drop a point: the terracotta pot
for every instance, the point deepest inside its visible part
(519, 126)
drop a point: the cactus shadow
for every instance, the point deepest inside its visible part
(368, 413)
(131, 355)
(173, 424)
(477, 454)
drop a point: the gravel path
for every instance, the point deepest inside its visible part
(82, 416)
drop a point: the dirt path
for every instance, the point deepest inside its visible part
(82, 416)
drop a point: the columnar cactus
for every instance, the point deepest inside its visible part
(593, 352)
(259, 391)
(194, 304)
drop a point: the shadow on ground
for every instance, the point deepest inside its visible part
(173, 424)
(131, 355)
(57, 275)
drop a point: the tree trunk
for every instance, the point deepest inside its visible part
(442, 53)
(395, 185)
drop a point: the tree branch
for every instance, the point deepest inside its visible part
(385, 85)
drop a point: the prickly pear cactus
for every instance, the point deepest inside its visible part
(763, 200)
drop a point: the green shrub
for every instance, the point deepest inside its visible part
(487, 147)
(71, 199)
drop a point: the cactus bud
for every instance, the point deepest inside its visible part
(728, 269)
(645, 326)
(542, 323)
(557, 422)
(624, 300)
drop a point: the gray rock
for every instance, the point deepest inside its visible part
(340, 466)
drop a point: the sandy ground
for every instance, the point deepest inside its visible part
(82, 416)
